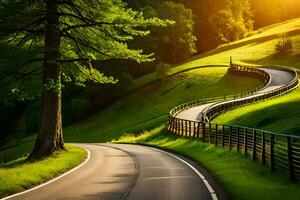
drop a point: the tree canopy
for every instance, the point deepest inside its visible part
(62, 39)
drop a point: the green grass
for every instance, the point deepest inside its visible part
(16, 148)
(258, 49)
(149, 107)
(279, 115)
(17, 175)
(145, 109)
(242, 178)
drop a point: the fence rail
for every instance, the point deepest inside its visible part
(278, 151)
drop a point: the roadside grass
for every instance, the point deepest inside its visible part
(280, 115)
(242, 178)
(18, 175)
(150, 106)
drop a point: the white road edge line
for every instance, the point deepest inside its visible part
(54, 179)
(208, 186)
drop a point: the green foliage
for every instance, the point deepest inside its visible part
(284, 46)
(234, 21)
(178, 41)
(53, 85)
(98, 30)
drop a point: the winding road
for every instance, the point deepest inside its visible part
(116, 171)
(119, 171)
(278, 79)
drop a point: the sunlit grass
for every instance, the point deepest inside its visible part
(242, 178)
(256, 49)
(150, 106)
(18, 175)
(279, 115)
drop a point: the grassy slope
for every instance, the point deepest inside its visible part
(17, 176)
(146, 108)
(279, 115)
(242, 178)
(149, 107)
(256, 49)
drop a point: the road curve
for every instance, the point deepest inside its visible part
(129, 172)
(278, 79)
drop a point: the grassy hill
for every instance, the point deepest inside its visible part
(148, 107)
(280, 115)
(257, 49)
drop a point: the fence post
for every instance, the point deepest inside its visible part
(238, 139)
(254, 145)
(223, 133)
(190, 129)
(177, 126)
(195, 129)
(186, 128)
(198, 129)
(182, 131)
(230, 142)
(245, 141)
(171, 125)
(263, 149)
(203, 131)
(290, 158)
(209, 133)
(216, 135)
(272, 163)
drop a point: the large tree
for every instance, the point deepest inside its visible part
(61, 39)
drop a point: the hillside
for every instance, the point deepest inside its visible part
(148, 107)
(153, 105)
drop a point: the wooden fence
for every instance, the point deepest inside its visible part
(278, 151)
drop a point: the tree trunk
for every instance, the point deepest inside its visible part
(50, 137)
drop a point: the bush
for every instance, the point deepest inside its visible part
(162, 70)
(284, 46)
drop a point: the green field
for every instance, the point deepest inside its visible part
(242, 178)
(17, 175)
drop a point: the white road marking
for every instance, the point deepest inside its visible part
(208, 186)
(52, 180)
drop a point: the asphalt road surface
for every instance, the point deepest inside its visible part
(130, 172)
